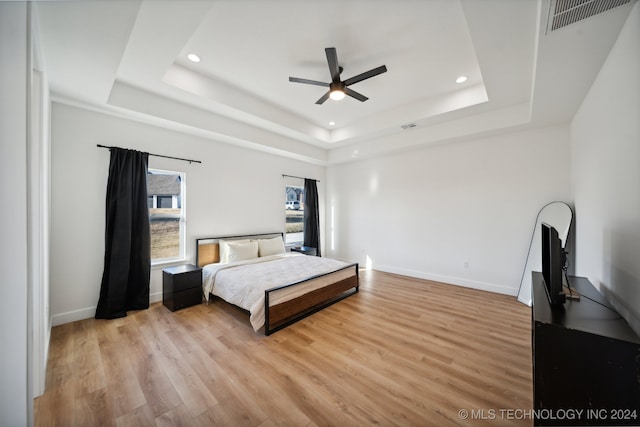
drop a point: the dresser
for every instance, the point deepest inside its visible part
(181, 286)
(586, 360)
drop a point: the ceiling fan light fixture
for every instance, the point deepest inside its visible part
(336, 94)
(338, 89)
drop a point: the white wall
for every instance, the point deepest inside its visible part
(605, 149)
(234, 191)
(15, 399)
(427, 212)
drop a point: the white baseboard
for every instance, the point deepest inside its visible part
(458, 281)
(88, 312)
(72, 316)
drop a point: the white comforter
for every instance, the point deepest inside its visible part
(243, 283)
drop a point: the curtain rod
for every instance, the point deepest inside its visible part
(299, 177)
(158, 155)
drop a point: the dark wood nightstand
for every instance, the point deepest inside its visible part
(307, 250)
(181, 286)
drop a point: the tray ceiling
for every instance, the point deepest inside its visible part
(130, 57)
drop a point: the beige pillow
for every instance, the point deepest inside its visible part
(224, 248)
(242, 251)
(274, 246)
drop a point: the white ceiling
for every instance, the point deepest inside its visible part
(129, 58)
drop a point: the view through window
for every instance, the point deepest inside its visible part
(165, 191)
(294, 211)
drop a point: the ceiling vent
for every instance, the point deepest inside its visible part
(566, 12)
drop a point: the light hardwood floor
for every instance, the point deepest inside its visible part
(402, 351)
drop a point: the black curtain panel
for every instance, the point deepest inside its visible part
(127, 255)
(311, 215)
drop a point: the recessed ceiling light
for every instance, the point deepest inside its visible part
(461, 79)
(332, 123)
(193, 57)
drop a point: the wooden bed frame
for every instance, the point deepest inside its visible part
(278, 315)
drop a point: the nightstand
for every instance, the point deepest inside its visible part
(181, 286)
(307, 250)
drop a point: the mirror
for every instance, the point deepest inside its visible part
(559, 216)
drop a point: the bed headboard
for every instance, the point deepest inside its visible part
(208, 248)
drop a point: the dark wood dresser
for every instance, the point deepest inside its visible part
(586, 360)
(181, 286)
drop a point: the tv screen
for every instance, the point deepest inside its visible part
(552, 264)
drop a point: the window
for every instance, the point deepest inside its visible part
(294, 212)
(166, 201)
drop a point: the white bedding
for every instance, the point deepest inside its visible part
(243, 283)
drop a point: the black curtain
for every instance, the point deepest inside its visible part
(311, 215)
(127, 255)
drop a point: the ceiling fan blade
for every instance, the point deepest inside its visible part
(307, 81)
(332, 59)
(352, 93)
(367, 74)
(323, 98)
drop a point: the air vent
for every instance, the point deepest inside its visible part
(408, 126)
(566, 12)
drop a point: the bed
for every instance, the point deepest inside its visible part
(276, 287)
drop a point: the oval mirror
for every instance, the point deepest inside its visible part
(558, 215)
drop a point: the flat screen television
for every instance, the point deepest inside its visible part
(552, 264)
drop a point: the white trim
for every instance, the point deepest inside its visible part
(39, 206)
(123, 113)
(89, 312)
(159, 265)
(447, 280)
(473, 284)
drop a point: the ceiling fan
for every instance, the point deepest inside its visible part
(337, 88)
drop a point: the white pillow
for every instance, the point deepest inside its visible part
(274, 246)
(242, 251)
(224, 248)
